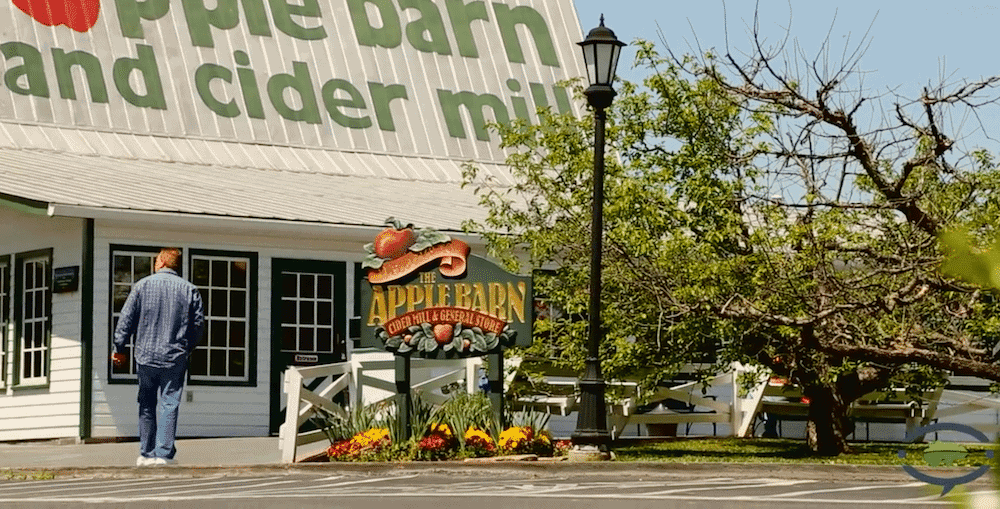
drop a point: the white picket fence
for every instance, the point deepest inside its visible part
(726, 406)
(429, 376)
(964, 400)
(354, 377)
(736, 410)
(696, 407)
(968, 400)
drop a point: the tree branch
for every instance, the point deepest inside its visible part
(904, 355)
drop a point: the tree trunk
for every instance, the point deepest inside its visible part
(828, 426)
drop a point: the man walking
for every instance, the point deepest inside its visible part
(164, 314)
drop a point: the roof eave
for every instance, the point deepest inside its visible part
(207, 220)
(25, 205)
(282, 227)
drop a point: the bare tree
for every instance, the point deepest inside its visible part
(846, 192)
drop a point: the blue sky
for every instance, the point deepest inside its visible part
(911, 43)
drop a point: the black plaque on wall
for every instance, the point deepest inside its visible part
(66, 279)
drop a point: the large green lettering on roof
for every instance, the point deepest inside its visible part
(145, 65)
(203, 80)
(462, 15)
(201, 19)
(202, 73)
(301, 83)
(91, 66)
(31, 69)
(382, 96)
(334, 101)
(508, 19)
(563, 103)
(132, 12)
(474, 105)
(283, 12)
(429, 23)
(388, 35)
(256, 17)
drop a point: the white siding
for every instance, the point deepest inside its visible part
(213, 410)
(52, 411)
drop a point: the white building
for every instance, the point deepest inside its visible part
(267, 140)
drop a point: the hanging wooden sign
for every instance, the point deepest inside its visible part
(428, 295)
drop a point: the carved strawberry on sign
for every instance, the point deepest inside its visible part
(80, 15)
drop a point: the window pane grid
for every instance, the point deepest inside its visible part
(307, 313)
(35, 318)
(128, 267)
(223, 283)
(4, 308)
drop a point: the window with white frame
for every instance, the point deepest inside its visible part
(128, 266)
(307, 313)
(34, 316)
(225, 352)
(4, 316)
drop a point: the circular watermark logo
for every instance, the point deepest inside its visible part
(944, 453)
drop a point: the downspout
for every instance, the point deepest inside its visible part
(87, 331)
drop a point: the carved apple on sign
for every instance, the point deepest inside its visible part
(80, 15)
(394, 241)
(443, 333)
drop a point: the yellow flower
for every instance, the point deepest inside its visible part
(474, 434)
(371, 437)
(442, 429)
(544, 437)
(512, 439)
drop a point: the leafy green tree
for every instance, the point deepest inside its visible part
(545, 215)
(748, 214)
(964, 262)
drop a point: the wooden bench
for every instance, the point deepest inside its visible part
(539, 386)
(785, 401)
(679, 402)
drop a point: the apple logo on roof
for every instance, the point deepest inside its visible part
(80, 15)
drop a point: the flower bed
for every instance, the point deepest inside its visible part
(439, 443)
(373, 435)
(361, 447)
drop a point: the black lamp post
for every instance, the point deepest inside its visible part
(600, 52)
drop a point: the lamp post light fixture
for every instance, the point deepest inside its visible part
(591, 438)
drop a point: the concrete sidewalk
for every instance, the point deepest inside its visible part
(194, 452)
(239, 456)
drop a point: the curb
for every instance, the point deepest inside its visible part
(824, 472)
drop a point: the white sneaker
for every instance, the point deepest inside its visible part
(143, 461)
(163, 462)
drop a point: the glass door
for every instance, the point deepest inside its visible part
(308, 321)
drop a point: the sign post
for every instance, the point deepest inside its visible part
(427, 295)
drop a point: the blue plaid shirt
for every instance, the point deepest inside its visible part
(164, 313)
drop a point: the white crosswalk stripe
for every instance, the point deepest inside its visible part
(299, 485)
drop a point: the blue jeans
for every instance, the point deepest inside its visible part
(158, 422)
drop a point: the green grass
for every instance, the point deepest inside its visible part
(12, 475)
(767, 450)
